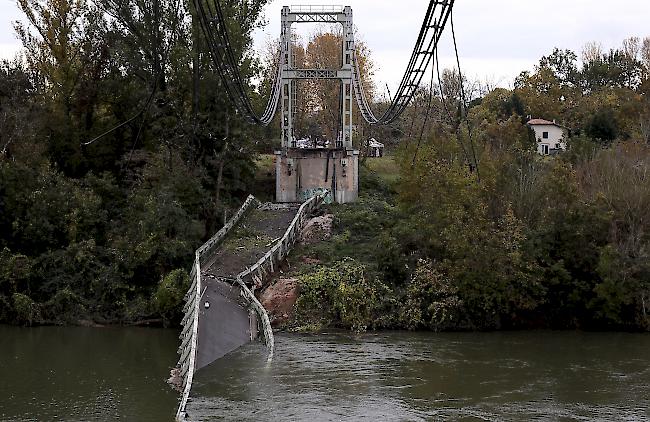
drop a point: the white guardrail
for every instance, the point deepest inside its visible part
(253, 275)
(190, 322)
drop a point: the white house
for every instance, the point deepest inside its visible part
(551, 137)
(375, 148)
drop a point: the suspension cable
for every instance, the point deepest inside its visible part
(214, 26)
(426, 116)
(464, 100)
(448, 112)
(430, 33)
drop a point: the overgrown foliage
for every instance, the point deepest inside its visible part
(535, 241)
(117, 157)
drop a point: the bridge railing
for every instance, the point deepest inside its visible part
(208, 247)
(190, 322)
(253, 275)
(266, 265)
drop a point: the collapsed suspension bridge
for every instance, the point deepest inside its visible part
(222, 312)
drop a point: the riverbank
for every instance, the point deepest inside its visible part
(421, 250)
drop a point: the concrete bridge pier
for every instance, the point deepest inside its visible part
(303, 172)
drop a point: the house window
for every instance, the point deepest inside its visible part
(545, 149)
(545, 135)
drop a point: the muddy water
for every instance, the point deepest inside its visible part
(83, 374)
(412, 377)
(86, 374)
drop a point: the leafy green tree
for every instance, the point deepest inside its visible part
(603, 126)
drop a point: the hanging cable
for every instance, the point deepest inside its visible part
(434, 22)
(144, 109)
(448, 112)
(426, 116)
(214, 25)
(464, 104)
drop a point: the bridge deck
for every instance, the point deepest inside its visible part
(226, 324)
(250, 240)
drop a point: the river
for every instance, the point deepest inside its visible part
(85, 374)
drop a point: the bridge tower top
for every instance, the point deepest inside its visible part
(290, 74)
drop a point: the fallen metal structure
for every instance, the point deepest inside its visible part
(221, 312)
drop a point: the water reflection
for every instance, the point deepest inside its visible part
(86, 374)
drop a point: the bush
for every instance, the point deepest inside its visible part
(431, 301)
(168, 298)
(340, 296)
(64, 306)
(26, 311)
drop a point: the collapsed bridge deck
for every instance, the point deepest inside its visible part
(221, 311)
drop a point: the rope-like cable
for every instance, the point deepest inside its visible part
(464, 100)
(447, 111)
(421, 57)
(426, 116)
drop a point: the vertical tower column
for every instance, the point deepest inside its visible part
(288, 86)
(346, 84)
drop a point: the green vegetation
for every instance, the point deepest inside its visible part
(533, 242)
(120, 153)
(104, 228)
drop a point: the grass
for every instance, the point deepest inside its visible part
(358, 227)
(385, 167)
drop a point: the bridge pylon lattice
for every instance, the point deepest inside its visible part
(301, 172)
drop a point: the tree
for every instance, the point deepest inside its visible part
(591, 51)
(645, 53)
(617, 180)
(64, 46)
(563, 65)
(614, 69)
(603, 126)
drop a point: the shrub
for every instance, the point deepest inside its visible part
(168, 298)
(339, 296)
(26, 311)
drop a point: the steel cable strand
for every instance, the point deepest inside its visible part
(231, 66)
(447, 111)
(269, 112)
(426, 116)
(212, 45)
(417, 51)
(227, 67)
(145, 109)
(412, 77)
(464, 100)
(433, 43)
(232, 62)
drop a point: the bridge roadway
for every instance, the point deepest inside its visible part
(221, 310)
(226, 323)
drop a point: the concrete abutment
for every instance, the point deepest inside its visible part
(302, 173)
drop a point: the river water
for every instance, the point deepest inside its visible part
(79, 374)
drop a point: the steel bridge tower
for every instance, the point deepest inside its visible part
(303, 172)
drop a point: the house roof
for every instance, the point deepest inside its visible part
(375, 144)
(535, 122)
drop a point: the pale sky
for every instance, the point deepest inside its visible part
(497, 39)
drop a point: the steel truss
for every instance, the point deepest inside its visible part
(290, 74)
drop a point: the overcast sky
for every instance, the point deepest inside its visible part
(497, 38)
